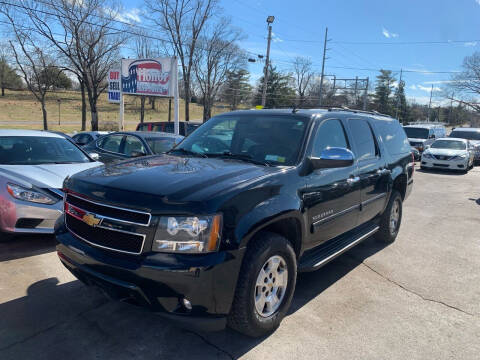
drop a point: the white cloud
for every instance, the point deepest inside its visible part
(132, 15)
(389, 34)
(275, 38)
(427, 88)
(478, 2)
(440, 81)
(413, 87)
(470, 43)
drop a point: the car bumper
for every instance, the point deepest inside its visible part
(22, 217)
(445, 164)
(159, 282)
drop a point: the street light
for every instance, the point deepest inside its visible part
(270, 19)
(267, 60)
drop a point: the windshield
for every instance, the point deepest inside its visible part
(449, 144)
(32, 150)
(262, 138)
(416, 133)
(160, 145)
(469, 135)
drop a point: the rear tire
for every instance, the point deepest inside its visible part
(257, 310)
(391, 219)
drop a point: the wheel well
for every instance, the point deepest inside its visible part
(290, 229)
(400, 184)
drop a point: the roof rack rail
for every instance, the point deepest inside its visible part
(371, 112)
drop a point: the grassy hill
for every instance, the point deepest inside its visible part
(19, 109)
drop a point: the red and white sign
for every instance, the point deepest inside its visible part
(152, 77)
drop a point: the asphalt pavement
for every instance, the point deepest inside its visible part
(418, 298)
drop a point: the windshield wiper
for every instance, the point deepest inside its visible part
(187, 152)
(242, 157)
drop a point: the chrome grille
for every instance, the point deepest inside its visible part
(106, 226)
(442, 157)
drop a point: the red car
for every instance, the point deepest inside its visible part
(186, 128)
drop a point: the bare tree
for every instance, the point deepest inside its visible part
(32, 60)
(467, 83)
(183, 22)
(303, 74)
(86, 40)
(218, 55)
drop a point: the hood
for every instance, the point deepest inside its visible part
(44, 176)
(167, 180)
(446, 152)
(416, 140)
(475, 143)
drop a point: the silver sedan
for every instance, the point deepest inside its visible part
(33, 166)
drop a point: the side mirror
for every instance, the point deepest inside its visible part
(332, 158)
(137, 154)
(94, 156)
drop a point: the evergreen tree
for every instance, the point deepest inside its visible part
(383, 91)
(9, 79)
(237, 88)
(280, 91)
(401, 106)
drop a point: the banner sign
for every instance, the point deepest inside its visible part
(114, 86)
(152, 77)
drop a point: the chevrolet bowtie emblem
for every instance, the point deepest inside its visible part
(91, 220)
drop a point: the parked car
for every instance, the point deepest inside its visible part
(124, 145)
(184, 129)
(215, 231)
(448, 153)
(33, 166)
(416, 154)
(471, 134)
(422, 135)
(85, 137)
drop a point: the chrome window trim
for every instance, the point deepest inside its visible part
(112, 207)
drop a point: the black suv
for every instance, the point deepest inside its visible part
(215, 231)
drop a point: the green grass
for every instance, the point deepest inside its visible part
(19, 109)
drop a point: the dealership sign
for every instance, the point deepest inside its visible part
(152, 77)
(114, 86)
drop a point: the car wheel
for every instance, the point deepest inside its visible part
(391, 219)
(265, 286)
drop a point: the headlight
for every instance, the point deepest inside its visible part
(21, 193)
(188, 234)
(459, 157)
(427, 156)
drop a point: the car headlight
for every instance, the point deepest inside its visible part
(459, 157)
(30, 195)
(188, 234)
(427, 156)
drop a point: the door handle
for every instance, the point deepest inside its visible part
(383, 171)
(352, 180)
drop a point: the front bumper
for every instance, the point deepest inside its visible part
(159, 281)
(23, 217)
(445, 164)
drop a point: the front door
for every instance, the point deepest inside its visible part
(332, 196)
(372, 169)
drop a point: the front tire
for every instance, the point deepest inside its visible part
(391, 219)
(265, 285)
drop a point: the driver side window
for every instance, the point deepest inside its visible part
(329, 134)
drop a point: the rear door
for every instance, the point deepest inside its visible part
(372, 168)
(332, 196)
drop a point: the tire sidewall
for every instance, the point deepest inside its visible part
(396, 197)
(282, 247)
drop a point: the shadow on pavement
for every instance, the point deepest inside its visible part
(24, 246)
(441, 172)
(74, 321)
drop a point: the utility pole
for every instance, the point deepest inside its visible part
(451, 107)
(323, 66)
(430, 104)
(267, 60)
(365, 96)
(398, 97)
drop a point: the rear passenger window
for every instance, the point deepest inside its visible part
(329, 134)
(111, 143)
(363, 139)
(393, 136)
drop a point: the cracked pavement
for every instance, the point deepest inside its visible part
(418, 298)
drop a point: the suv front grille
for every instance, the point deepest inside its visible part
(105, 226)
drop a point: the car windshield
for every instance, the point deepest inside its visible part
(469, 135)
(267, 139)
(160, 145)
(416, 133)
(449, 144)
(35, 150)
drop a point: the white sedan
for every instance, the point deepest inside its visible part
(448, 153)
(33, 166)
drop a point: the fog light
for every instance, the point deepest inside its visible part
(187, 304)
